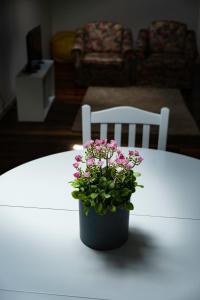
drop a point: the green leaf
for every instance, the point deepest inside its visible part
(111, 186)
(75, 184)
(123, 178)
(136, 174)
(134, 179)
(76, 194)
(107, 196)
(102, 179)
(128, 206)
(92, 202)
(93, 195)
(140, 185)
(93, 187)
(85, 210)
(83, 196)
(113, 208)
(99, 208)
(126, 192)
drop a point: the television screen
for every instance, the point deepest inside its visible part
(34, 48)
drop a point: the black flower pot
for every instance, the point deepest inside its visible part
(105, 232)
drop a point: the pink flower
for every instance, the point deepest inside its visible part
(120, 161)
(130, 165)
(98, 142)
(100, 163)
(125, 161)
(88, 143)
(111, 146)
(90, 162)
(75, 165)
(77, 174)
(78, 158)
(113, 142)
(111, 162)
(98, 148)
(119, 151)
(133, 153)
(140, 159)
(121, 156)
(87, 174)
(136, 153)
(130, 152)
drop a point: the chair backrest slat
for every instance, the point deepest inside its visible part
(86, 123)
(145, 136)
(117, 135)
(126, 115)
(131, 135)
(162, 135)
(103, 131)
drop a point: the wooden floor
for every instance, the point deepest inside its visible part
(24, 141)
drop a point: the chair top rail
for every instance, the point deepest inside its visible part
(126, 115)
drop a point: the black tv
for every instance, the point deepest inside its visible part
(34, 49)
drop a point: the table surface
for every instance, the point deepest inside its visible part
(41, 256)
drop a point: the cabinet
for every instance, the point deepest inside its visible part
(35, 93)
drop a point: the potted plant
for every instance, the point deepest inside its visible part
(104, 182)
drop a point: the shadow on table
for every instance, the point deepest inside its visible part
(137, 251)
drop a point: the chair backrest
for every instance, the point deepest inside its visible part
(167, 36)
(103, 37)
(126, 115)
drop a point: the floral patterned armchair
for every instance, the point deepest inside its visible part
(102, 52)
(166, 53)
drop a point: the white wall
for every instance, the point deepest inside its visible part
(17, 17)
(70, 14)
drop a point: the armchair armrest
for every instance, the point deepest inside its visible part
(78, 47)
(191, 51)
(79, 41)
(127, 43)
(142, 44)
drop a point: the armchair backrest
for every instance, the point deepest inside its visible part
(103, 37)
(167, 36)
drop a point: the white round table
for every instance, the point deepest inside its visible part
(41, 256)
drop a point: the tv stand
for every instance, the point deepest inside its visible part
(35, 92)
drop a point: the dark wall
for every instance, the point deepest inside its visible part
(68, 14)
(17, 17)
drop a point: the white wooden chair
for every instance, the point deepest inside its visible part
(126, 115)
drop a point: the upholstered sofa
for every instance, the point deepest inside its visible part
(166, 53)
(102, 52)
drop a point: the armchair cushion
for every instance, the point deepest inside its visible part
(167, 36)
(102, 58)
(103, 37)
(166, 60)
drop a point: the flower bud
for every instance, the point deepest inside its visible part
(77, 174)
(75, 165)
